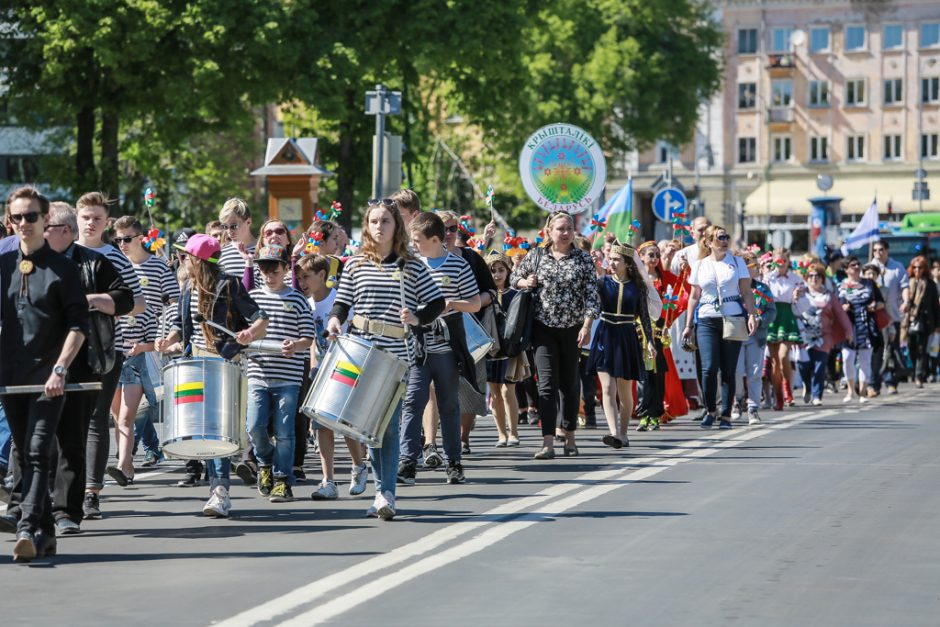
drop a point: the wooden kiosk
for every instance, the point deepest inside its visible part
(293, 180)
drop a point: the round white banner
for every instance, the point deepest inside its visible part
(562, 168)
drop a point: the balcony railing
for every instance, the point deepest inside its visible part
(780, 115)
(785, 61)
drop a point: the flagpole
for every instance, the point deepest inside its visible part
(871, 253)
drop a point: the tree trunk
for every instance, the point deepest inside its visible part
(85, 178)
(109, 154)
(346, 169)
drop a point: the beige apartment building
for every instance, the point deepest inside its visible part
(845, 89)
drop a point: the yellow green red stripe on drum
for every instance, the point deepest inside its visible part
(346, 373)
(189, 393)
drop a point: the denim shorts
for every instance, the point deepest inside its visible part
(133, 370)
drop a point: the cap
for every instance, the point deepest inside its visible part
(271, 253)
(183, 234)
(204, 247)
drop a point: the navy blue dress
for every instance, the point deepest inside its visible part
(616, 349)
(496, 366)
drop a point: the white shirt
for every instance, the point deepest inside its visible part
(689, 253)
(714, 276)
(782, 287)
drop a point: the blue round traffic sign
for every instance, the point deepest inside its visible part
(668, 201)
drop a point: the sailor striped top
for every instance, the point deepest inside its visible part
(454, 277)
(156, 280)
(289, 318)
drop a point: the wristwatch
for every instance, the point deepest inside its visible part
(60, 370)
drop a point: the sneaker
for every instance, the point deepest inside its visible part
(644, 424)
(373, 511)
(265, 480)
(326, 491)
(406, 472)
(46, 544)
(753, 418)
(735, 412)
(465, 448)
(67, 527)
(807, 394)
(152, 458)
(246, 473)
(190, 480)
(707, 422)
(892, 390)
(455, 473)
(24, 550)
(357, 482)
(862, 399)
(653, 424)
(91, 507)
(432, 459)
(724, 423)
(386, 509)
(545, 453)
(282, 492)
(218, 505)
(816, 402)
(299, 475)
(523, 418)
(848, 398)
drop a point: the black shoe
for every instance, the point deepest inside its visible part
(590, 422)
(455, 473)
(246, 473)
(523, 418)
(725, 423)
(406, 472)
(707, 422)
(189, 480)
(465, 448)
(299, 475)
(8, 523)
(91, 506)
(24, 551)
(46, 544)
(612, 441)
(118, 475)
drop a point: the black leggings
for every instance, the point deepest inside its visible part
(556, 359)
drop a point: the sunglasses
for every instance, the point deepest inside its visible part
(123, 240)
(451, 229)
(723, 238)
(230, 227)
(385, 202)
(30, 216)
(56, 226)
(277, 231)
(855, 265)
(879, 250)
(813, 275)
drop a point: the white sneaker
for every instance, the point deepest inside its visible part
(357, 482)
(862, 399)
(373, 511)
(386, 509)
(326, 491)
(753, 418)
(735, 412)
(817, 402)
(219, 505)
(848, 398)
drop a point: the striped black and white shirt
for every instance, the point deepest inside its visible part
(156, 280)
(233, 264)
(126, 269)
(289, 318)
(374, 291)
(455, 279)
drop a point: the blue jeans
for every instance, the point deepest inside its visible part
(5, 439)
(719, 356)
(219, 471)
(813, 372)
(385, 460)
(277, 405)
(134, 372)
(441, 368)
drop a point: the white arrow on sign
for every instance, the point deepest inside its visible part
(671, 204)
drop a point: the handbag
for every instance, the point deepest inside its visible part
(517, 335)
(733, 328)
(494, 323)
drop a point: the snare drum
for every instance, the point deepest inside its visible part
(204, 407)
(356, 389)
(479, 342)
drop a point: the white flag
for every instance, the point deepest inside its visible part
(866, 231)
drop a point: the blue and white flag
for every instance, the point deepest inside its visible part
(620, 204)
(866, 232)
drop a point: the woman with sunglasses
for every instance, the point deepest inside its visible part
(860, 298)
(786, 287)
(721, 287)
(823, 325)
(922, 319)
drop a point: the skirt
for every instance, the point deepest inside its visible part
(617, 352)
(507, 369)
(784, 327)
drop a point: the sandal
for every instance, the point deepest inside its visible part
(612, 441)
(512, 441)
(545, 453)
(500, 443)
(571, 451)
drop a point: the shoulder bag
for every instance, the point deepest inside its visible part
(517, 335)
(733, 328)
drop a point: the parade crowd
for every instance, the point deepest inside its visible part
(641, 333)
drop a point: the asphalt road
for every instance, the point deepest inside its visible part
(822, 517)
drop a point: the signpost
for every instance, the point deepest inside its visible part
(668, 201)
(921, 190)
(380, 103)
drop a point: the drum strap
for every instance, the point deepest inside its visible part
(379, 327)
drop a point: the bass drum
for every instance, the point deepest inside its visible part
(205, 404)
(356, 389)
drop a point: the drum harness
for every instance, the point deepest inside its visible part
(388, 329)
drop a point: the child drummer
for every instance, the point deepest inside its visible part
(274, 381)
(455, 279)
(391, 292)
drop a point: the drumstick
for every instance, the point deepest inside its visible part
(38, 389)
(199, 318)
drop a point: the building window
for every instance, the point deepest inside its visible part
(665, 150)
(856, 148)
(819, 39)
(930, 35)
(855, 92)
(854, 38)
(892, 37)
(747, 95)
(892, 147)
(930, 89)
(894, 91)
(819, 149)
(819, 93)
(747, 41)
(780, 40)
(929, 148)
(747, 149)
(781, 93)
(782, 145)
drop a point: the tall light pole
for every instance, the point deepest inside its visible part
(380, 103)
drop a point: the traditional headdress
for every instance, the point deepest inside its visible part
(646, 245)
(624, 250)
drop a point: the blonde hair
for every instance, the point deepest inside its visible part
(551, 221)
(707, 238)
(399, 239)
(447, 214)
(235, 207)
(94, 199)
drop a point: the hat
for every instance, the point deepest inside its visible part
(183, 234)
(271, 253)
(204, 247)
